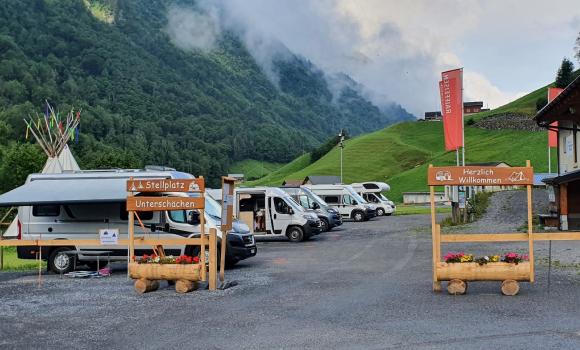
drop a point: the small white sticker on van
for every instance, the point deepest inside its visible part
(109, 236)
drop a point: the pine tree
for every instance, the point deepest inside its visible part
(564, 76)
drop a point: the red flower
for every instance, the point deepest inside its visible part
(195, 259)
(145, 256)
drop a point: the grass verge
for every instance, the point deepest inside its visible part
(12, 263)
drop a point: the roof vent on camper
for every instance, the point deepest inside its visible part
(158, 168)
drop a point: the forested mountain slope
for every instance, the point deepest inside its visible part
(146, 101)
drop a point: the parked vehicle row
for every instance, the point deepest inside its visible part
(78, 204)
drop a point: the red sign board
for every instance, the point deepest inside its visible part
(166, 185)
(451, 90)
(553, 134)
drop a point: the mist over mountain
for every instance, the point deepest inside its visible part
(167, 82)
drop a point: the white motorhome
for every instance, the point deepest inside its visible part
(77, 205)
(271, 212)
(372, 192)
(345, 199)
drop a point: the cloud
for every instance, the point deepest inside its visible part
(194, 29)
(396, 49)
(479, 88)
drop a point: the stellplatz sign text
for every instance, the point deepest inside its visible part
(166, 185)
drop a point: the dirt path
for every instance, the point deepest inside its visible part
(507, 212)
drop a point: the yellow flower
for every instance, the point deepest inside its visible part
(467, 258)
(494, 258)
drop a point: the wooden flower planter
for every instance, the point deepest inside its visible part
(458, 274)
(493, 271)
(147, 275)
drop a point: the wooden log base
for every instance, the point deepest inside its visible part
(144, 285)
(456, 287)
(510, 287)
(437, 287)
(185, 286)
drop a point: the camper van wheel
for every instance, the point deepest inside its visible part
(380, 211)
(324, 226)
(295, 234)
(59, 262)
(358, 216)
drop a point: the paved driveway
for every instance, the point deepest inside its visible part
(365, 285)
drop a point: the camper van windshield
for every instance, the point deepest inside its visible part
(356, 196)
(315, 197)
(291, 202)
(383, 198)
(213, 208)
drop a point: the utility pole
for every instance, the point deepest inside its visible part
(341, 145)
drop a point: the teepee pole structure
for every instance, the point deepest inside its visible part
(53, 135)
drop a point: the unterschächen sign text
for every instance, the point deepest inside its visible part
(164, 203)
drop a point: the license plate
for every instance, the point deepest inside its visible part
(252, 251)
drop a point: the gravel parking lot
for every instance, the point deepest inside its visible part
(364, 285)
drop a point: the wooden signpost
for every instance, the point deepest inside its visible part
(185, 275)
(458, 274)
(228, 185)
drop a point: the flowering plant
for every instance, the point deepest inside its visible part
(514, 258)
(486, 259)
(156, 259)
(458, 257)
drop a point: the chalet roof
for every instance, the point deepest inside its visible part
(473, 104)
(322, 180)
(566, 106)
(569, 177)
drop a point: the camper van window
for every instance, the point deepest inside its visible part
(46, 210)
(371, 197)
(348, 200)
(305, 202)
(213, 208)
(178, 216)
(280, 205)
(143, 215)
(331, 199)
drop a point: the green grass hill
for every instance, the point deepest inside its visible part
(400, 155)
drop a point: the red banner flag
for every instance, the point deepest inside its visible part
(553, 134)
(451, 90)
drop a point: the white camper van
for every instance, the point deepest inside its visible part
(344, 199)
(77, 205)
(272, 212)
(372, 193)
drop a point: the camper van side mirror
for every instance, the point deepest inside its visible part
(193, 218)
(290, 211)
(315, 206)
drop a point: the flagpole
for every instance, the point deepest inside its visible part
(462, 122)
(549, 156)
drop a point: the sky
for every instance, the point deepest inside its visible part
(397, 49)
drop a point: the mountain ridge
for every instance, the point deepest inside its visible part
(146, 101)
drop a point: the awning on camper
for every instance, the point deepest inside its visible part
(61, 191)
